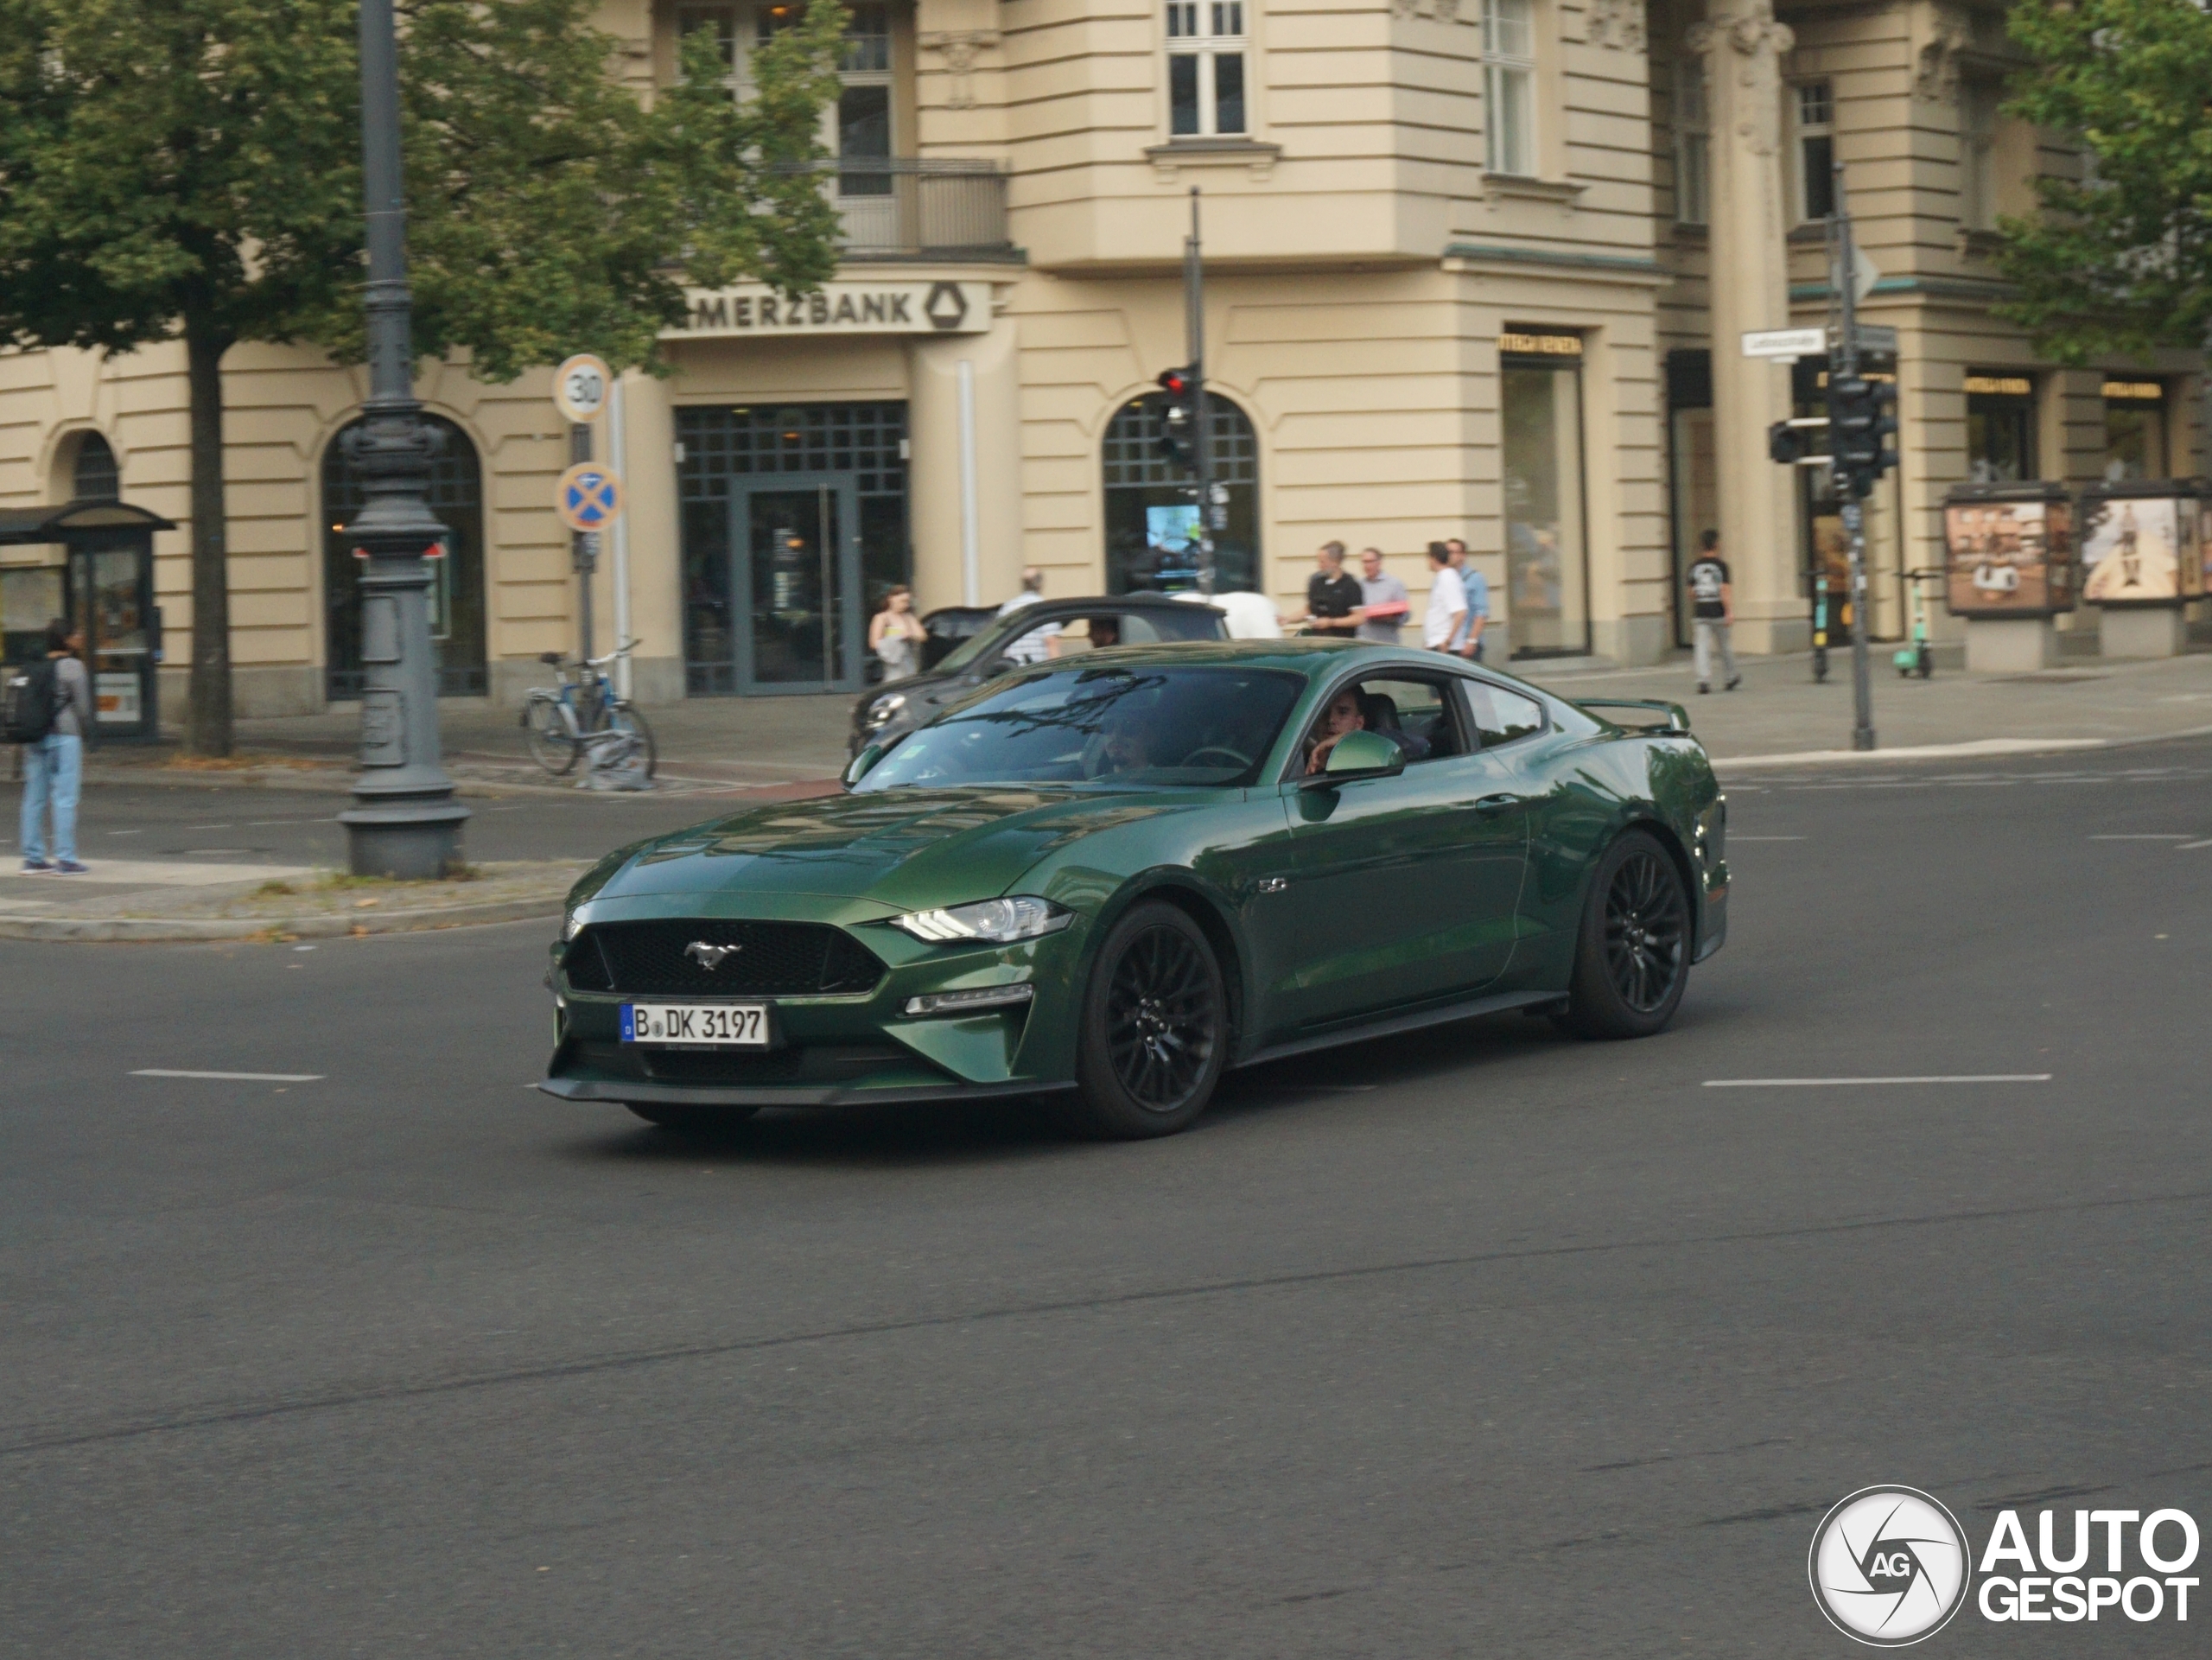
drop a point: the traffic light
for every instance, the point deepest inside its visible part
(1177, 423)
(1785, 444)
(1862, 414)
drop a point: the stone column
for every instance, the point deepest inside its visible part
(936, 509)
(1742, 45)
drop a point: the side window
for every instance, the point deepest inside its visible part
(1499, 716)
(1415, 710)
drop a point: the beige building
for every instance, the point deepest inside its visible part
(1474, 267)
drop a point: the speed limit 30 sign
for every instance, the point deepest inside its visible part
(581, 385)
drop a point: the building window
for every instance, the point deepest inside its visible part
(1152, 524)
(1205, 69)
(1815, 150)
(1546, 556)
(1509, 87)
(1978, 102)
(456, 596)
(93, 476)
(864, 104)
(1693, 144)
(2135, 431)
(2000, 429)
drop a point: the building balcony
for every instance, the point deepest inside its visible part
(901, 207)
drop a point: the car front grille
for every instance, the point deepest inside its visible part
(773, 959)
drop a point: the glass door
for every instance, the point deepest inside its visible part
(113, 603)
(796, 574)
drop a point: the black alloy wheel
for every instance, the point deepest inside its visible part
(1154, 1032)
(1633, 957)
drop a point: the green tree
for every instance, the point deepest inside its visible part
(2121, 260)
(191, 170)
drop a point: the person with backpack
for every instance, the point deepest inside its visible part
(46, 707)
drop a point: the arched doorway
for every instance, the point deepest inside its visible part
(456, 595)
(1151, 521)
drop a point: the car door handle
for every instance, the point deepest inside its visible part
(1492, 802)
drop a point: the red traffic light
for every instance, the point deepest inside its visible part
(1175, 383)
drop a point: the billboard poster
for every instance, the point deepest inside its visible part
(2009, 558)
(2141, 550)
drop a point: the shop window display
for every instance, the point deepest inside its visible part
(1546, 558)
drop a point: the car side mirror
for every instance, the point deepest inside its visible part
(1362, 754)
(859, 766)
(998, 666)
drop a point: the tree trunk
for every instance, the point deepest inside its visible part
(210, 733)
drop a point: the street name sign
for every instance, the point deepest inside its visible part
(588, 497)
(1788, 343)
(580, 387)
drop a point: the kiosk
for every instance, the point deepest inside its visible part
(97, 572)
(2008, 569)
(2142, 561)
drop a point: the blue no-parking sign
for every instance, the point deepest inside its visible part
(589, 497)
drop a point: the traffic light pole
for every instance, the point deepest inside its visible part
(1194, 340)
(1843, 282)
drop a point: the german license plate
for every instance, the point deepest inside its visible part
(720, 1025)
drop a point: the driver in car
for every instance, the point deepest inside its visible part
(1347, 713)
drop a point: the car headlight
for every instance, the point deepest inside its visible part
(883, 709)
(1000, 921)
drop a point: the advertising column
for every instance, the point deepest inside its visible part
(2142, 561)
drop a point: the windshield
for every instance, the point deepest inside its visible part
(1060, 635)
(1131, 728)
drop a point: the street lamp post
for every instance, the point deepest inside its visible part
(404, 821)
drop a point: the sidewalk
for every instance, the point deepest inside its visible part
(1781, 715)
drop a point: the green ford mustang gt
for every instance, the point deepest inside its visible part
(1110, 877)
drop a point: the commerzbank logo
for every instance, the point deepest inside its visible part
(1891, 1566)
(1888, 1566)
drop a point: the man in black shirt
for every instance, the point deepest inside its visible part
(1713, 611)
(1333, 598)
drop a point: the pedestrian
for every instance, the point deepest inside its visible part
(895, 633)
(1713, 612)
(1444, 627)
(1384, 603)
(1332, 597)
(53, 762)
(1476, 587)
(1037, 644)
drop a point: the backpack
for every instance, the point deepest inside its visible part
(30, 699)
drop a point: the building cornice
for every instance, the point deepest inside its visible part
(1619, 268)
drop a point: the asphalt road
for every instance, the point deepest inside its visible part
(1482, 1343)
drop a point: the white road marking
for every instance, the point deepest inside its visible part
(2181, 836)
(205, 827)
(1819, 1082)
(2187, 846)
(243, 1077)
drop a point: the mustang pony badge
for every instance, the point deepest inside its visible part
(709, 957)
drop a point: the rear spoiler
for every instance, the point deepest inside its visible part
(1677, 720)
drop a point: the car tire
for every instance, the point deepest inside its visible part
(1632, 955)
(696, 1121)
(1154, 1032)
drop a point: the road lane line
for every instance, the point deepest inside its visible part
(1822, 1083)
(242, 1078)
(2181, 836)
(2186, 847)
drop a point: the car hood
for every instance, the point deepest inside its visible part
(906, 849)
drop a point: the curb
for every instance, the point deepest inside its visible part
(141, 930)
(1983, 748)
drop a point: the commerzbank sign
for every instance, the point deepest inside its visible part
(754, 310)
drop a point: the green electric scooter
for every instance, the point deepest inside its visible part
(1916, 657)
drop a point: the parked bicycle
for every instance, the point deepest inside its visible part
(563, 719)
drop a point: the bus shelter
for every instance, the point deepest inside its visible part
(91, 564)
